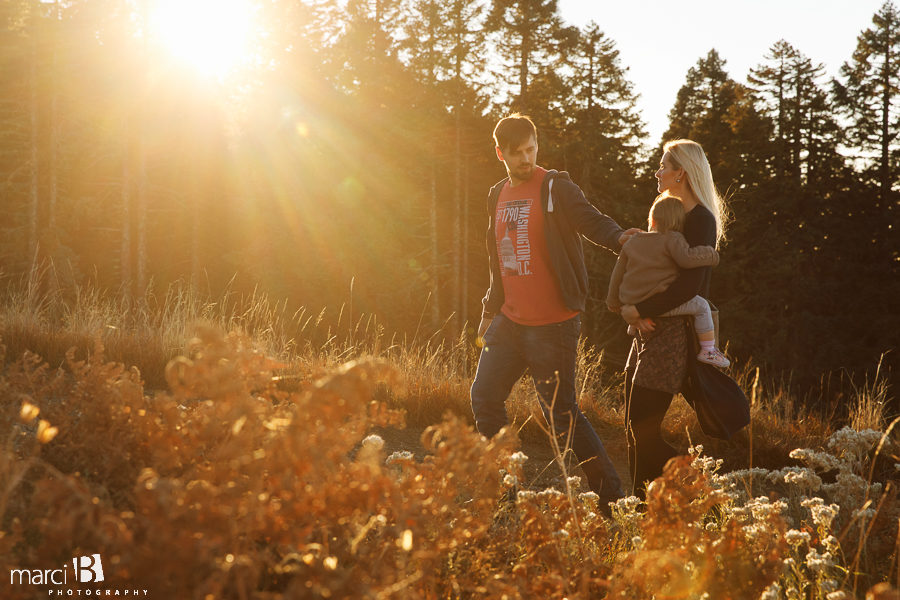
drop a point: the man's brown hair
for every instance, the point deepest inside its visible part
(513, 131)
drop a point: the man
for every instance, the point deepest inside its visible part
(538, 286)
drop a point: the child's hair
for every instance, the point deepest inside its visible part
(666, 214)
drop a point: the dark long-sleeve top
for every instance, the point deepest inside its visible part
(699, 230)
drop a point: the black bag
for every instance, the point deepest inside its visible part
(722, 407)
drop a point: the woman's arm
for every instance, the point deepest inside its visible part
(699, 230)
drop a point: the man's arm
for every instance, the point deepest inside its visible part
(587, 220)
(613, 302)
(494, 297)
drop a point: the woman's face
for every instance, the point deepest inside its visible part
(666, 175)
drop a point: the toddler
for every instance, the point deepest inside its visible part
(648, 263)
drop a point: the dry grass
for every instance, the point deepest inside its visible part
(250, 469)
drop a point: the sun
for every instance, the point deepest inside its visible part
(213, 36)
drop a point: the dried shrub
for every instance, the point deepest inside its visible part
(690, 545)
(229, 485)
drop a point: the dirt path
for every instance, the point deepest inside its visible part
(541, 469)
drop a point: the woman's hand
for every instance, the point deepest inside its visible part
(631, 315)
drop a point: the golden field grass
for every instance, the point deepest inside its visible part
(239, 449)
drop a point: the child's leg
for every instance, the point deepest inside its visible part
(705, 328)
(697, 307)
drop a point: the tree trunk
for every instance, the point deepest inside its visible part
(458, 299)
(435, 256)
(886, 86)
(796, 134)
(141, 216)
(811, 153)
(125, 249)
(34, 187)
(52, 236)
(586, 186)
(53, 156)
(195, 238)
(782, 150)
(52, 171)
(140, 206)
(523, 72)
(465, 246)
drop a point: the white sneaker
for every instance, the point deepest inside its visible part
(713, 357)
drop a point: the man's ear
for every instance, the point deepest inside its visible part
(499, 153)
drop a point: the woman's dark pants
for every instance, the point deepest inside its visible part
(648, 452)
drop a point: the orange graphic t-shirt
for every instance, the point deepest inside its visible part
(531, 291)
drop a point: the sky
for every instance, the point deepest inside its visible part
(659, 40)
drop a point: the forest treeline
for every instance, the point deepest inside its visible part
(349, 163)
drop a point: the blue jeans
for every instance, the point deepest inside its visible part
(549, 353)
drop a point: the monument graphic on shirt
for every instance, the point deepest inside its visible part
(508, 256)
(513, 243)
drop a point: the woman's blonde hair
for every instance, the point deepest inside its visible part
(688, 155)
(666, 214)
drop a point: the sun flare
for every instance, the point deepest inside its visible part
(211, 35)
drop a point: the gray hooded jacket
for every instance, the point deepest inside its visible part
(567, 216)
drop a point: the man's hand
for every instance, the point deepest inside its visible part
(631, 315)
(627, 235)
(482, 329)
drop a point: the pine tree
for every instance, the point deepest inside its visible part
(603, 144)
(606, 133)
(709, 108)
(366, 51)
(446, 48)
(771, 81)
(530, 39)
(869, 95)
(788, 89)
(700, 109)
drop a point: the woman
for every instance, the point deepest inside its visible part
(658, 362)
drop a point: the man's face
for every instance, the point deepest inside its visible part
(521, 160)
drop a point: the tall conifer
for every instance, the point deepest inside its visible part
(869, 94)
